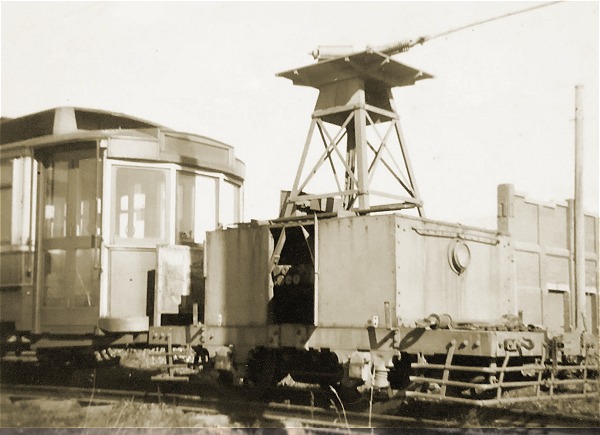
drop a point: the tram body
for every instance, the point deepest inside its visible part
(88, 197)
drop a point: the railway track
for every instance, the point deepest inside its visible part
(269, 414)
(277, 414)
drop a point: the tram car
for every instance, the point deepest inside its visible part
(91, 202)
(354, 287)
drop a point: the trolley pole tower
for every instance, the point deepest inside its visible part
(359, 128)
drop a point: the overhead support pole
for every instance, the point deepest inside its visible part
(355, 98)
(580, 290)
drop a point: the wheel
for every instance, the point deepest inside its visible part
(262, 370)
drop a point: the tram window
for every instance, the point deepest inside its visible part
(55, 212)
(139, 205)
(6, 173)
(206, 211)
(196, 207)
(186, 196)
(86, 197)
(229, 204)
(85, 287)
(55, 277)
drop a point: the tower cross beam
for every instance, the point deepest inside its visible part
(396, 175)
(333, 170)
(331, 147)
(349, 170)
(379, 152)
(398, 169)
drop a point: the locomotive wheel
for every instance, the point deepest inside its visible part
(262, 368)
(226, 378)
(399, 374)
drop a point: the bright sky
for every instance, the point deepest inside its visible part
(500, 109)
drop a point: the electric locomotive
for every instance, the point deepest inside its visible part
(348, 288)
(92, 202)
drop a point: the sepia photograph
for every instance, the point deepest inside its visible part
(307, 216)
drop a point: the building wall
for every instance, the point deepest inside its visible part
(543, 241)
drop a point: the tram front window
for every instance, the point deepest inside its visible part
(186, 199)
(229, 212)
(196, 207)
(140, 205)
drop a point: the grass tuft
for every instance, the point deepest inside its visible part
(123, 414)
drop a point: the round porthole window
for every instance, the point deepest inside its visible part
(459, 256)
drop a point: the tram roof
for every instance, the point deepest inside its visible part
(70, 124)
(63, 120)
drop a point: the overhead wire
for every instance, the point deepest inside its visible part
(487, 20)
(326, 53)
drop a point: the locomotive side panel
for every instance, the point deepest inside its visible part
(445, 268)
(237, 278)
(357, 270)
(238, 288)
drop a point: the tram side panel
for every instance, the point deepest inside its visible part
(16, 289)
(16, 257)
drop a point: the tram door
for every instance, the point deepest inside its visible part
(69, 272)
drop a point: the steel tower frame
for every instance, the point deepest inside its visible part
(355, 96)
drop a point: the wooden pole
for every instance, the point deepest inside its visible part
(579, 216)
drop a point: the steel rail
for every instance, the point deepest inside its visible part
(267, 412)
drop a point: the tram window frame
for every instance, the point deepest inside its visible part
(6, 199)
(15, 232)
(161, 231)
